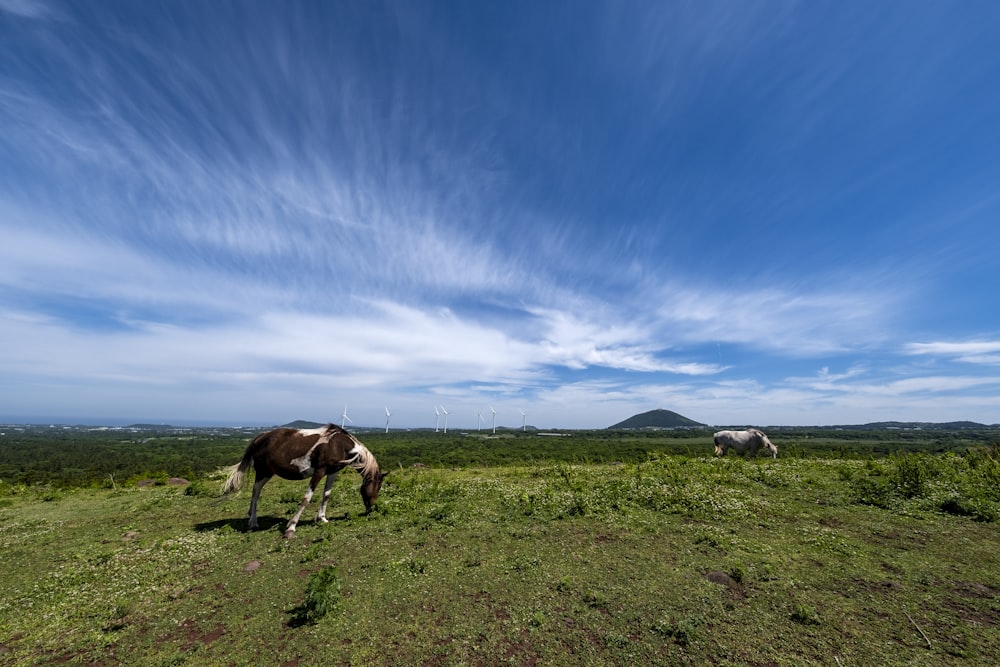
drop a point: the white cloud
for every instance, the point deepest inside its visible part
(789, 322)
(980, 352)
(32, 9)
(603, 338)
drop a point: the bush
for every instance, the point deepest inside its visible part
(911, 475)
(201, 488)
(967, 485)
(805, 615)
(684, 632)
(976, 510)
(322, 596)
(877, 492)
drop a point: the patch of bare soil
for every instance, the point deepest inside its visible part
(734, 587)
(194, 635)
(975, 590)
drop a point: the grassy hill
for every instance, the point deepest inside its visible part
(657, 419)
(673, 560)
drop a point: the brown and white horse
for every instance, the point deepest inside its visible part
(293, 453)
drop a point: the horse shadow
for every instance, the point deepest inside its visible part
(265, 523)
(240, 525)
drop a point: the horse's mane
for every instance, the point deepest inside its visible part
(362, 460)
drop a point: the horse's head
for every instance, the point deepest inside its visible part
(370, 487)
(771, 447)
(764, 440)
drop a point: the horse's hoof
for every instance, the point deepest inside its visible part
(289, 534)
(322, 519)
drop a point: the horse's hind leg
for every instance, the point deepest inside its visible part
(330, 479)
(257, 486)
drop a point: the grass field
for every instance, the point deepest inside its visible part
(677, 560)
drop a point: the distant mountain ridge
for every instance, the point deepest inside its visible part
(303, 424)
(946, 426)
(657, 419)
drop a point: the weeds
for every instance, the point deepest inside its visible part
(201, 488)
(684, 632)
(322, 595)
(964, 485)
(805, 615)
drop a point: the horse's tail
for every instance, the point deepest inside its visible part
(236, 473)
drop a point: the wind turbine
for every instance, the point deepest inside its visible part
(344, 418)
(524, 420)
(437, 416)
(479, 426)
(494, 420)
(387, 414)
(445, 419)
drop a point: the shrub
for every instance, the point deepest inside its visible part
(877, 492)
(201, 488)
(911, 474)
(977, 510)
(805, 615)
(322, 596)
(684, 632)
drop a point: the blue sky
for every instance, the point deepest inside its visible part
(749, 213)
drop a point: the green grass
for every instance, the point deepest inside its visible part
(674, 561)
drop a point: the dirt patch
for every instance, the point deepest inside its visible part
(5, 646)
(889, 567)
(194, 635)
(486, 600)
(882, 587)
(975, 590)
(252, 566)
(720, 578)
(521, 653)
(971, 615)
(735, 588)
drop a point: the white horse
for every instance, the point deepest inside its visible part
(742, 441)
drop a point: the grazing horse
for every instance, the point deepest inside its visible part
(749, 440)
(293, 453)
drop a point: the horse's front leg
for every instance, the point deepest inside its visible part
(290, 528)
(330, 479)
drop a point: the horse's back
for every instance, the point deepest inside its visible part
(731, 438)
(297, 453)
